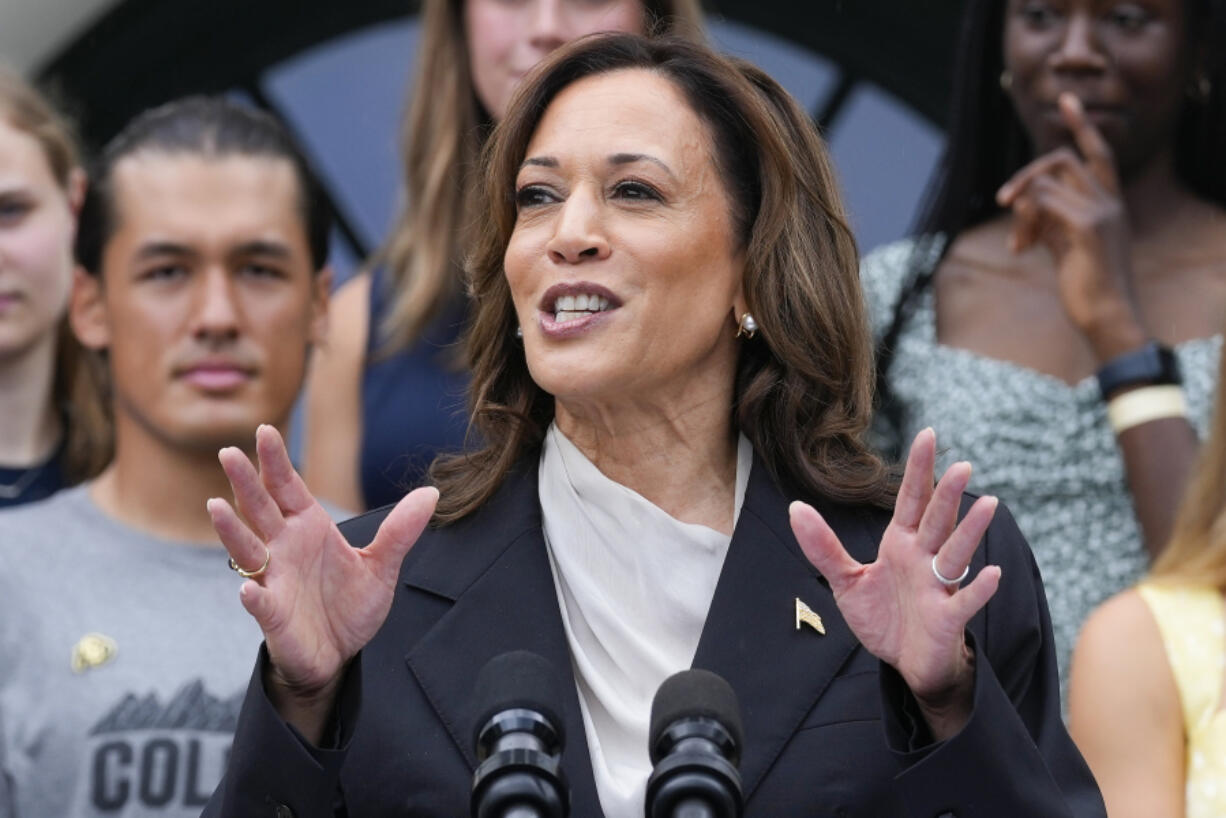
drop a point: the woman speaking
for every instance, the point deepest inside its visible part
(668, 346)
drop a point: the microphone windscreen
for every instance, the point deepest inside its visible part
(692, 694)
(519, 679)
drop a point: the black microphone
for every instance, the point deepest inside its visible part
(695, 745)
(519, 740)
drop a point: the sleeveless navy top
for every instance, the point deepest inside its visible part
(412, 402)
(30, 483)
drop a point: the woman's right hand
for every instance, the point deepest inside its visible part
(1070, 202)
(319, 600)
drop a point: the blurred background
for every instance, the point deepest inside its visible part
(873, 73)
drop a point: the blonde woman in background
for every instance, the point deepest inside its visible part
(385, 394)
(1147, 677)
(52, 430)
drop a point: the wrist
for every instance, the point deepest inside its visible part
(948, 709)
(1115, 332)
(305, 694)
(307, 708)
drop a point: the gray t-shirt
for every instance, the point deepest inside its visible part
(162, 650)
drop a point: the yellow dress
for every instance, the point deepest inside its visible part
(1192, 622)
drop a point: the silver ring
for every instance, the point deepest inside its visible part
(946, 581)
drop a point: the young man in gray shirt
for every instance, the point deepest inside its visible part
(123, 652)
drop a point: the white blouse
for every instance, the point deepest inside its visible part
(634, 587)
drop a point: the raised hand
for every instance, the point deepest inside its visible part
(1070, 202)
(318, 600)
(896, 606)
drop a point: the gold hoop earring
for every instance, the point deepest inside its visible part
(747, 327)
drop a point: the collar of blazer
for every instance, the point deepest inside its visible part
(494, 569)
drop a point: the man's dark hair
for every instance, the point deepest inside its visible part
(210, 127)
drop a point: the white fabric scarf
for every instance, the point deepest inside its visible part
(634, 586)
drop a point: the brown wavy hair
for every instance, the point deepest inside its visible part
(803, 392)
(1196, 553)
(76, 389)
(441, 138)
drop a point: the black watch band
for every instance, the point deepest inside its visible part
(1151, 364)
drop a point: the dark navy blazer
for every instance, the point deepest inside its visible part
(829, 729)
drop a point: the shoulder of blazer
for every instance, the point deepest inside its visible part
(447, 559)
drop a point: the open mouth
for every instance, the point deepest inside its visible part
(564, 303)
(571, 307)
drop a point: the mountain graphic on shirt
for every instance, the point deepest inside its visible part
(191, 708)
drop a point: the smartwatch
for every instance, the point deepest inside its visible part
(1151, 364)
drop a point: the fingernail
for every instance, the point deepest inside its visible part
(208, 504)
(797, 505)
(1072, 101)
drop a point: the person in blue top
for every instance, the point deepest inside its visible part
(387, 390)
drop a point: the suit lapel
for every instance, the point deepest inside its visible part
(496, 569)
(750, 636)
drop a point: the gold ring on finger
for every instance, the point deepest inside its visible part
(245, 574)
(951, 584)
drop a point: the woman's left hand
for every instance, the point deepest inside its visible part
(896, 606)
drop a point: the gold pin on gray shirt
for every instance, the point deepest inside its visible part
(92, 650)
(806, 615)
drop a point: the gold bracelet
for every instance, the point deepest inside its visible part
(1145, 404)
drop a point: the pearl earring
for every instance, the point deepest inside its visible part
(748, 327)
(519, 332)
(1006, 80)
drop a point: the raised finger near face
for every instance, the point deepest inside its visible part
(1093, 146)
